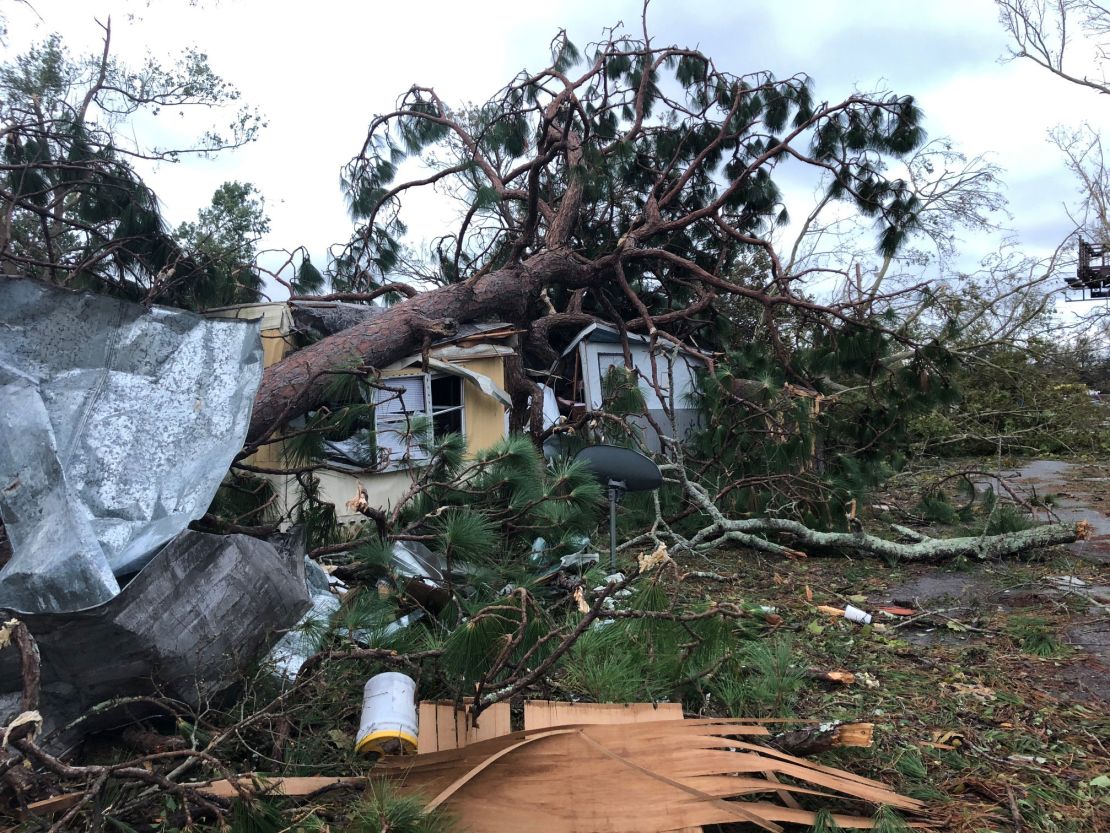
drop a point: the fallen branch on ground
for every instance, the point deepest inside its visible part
(750, 532)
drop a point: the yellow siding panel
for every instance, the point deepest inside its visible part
(485, 416)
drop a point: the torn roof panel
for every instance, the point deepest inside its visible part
(478, 330)
(608, 334)
(117, 424)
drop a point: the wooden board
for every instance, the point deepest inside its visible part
(645, 777)
(442, 727)
(542, 714)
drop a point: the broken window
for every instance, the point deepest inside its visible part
(408, 412)
(400, 414)
(642, 367)
(409, 407)
(447, 405)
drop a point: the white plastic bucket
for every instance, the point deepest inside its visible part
(388, 725)
(854, 614)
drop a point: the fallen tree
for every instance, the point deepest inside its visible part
(634, 185)
(750, 533)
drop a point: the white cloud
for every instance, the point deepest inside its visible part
(318, 71)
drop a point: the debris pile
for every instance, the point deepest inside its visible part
(118, 425)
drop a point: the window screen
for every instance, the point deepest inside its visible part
(394, 414)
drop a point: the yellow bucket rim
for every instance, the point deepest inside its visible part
(372, 742)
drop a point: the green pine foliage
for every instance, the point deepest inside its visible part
(385, 809)
(490, 509)
(463, 534)
(315, 516)
(824, 822)
(887, 820)
(309, 280)
(807, 449)
(763, 681)
(979, 511)
(1034, 635)
(245, 499)
(621, 394)
(258, 816)
(656, 659)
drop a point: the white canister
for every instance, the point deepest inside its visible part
(388, 724)
(854, 614)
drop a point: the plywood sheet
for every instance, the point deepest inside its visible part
(541, 714)
(443, 727)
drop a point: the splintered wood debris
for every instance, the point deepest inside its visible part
(661, 775)
(602, 768)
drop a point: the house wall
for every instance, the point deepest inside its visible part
(485, 416)
(676, 379)
(383, 490)
(275, 346)
(276, 325)
(485, 419)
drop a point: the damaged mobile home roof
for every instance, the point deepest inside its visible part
(608, 334)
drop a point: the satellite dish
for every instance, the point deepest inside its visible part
(615, 465)
(622, 470)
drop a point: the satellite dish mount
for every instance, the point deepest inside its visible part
(621, 470)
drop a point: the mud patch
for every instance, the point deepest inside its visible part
(933, 637)
(1087, 680)
(977, 597)
(940, 586)
(1094, 639)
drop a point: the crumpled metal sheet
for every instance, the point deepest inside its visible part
(117, 424)
(298, 644)
(186, 627)
(302, 641)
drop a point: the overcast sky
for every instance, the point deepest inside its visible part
(319, 70)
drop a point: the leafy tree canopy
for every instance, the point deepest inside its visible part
(79, 213)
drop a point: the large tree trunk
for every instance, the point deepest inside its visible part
(296, 384)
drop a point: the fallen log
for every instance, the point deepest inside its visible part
(928, 549)
(750, 532)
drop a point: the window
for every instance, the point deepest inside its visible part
(641, 362)
(411, 405)
(447, 405)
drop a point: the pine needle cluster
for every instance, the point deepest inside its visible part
(806, 450)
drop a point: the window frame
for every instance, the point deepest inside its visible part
(413, 455)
